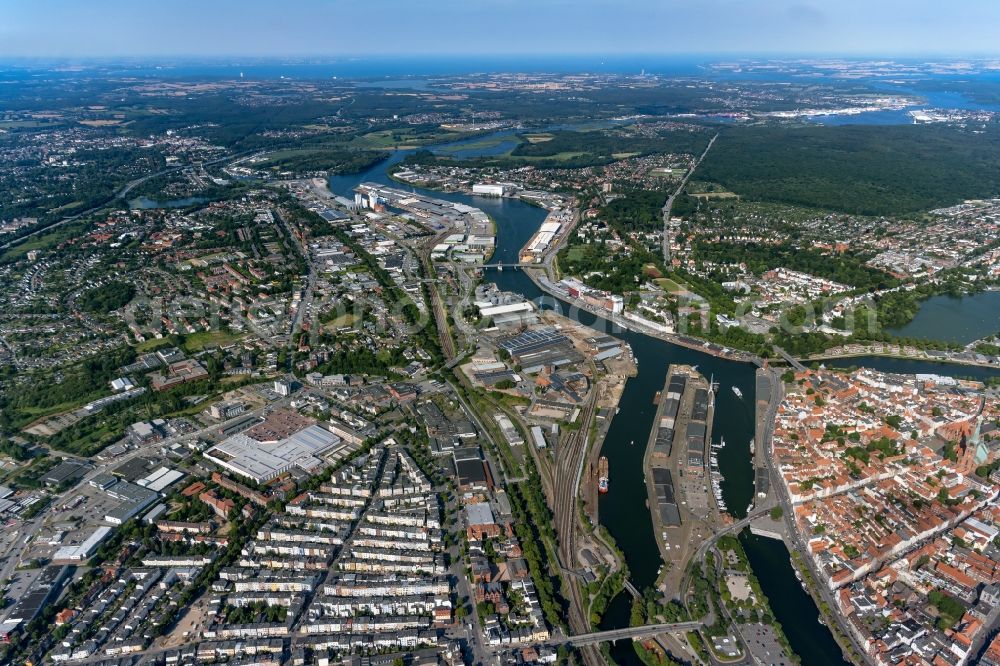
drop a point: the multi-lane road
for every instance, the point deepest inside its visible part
(668, 206)
(642, 631)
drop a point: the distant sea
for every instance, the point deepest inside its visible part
(800, 69)
(354, 68)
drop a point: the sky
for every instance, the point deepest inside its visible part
(96, 28)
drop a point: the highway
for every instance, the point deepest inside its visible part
(791, 360)
(670, 201)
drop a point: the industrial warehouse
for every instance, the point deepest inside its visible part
(557, 222)
(675, 461)
(536, 348)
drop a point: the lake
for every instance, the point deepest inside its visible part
(961, 320)
(145, 203)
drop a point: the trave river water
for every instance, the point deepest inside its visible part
(623, 510)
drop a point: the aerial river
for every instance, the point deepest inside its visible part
(623, 510)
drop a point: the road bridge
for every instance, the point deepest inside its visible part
(457, 360)
(791, 360)
(500, 266)
(620, 634)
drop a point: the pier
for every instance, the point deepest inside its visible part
(676, 466)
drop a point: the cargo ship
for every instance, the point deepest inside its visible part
(602, 475)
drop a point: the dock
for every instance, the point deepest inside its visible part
(768, 396)
(765, 497)
(676, 465)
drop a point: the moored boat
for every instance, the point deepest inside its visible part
(602, 475)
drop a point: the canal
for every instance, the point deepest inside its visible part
(623, 510)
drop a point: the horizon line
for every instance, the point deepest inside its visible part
(778, 55)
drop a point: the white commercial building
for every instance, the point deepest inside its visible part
(262, 462)
(160, 478)
(487, 309)
(489, 189)
(84, 550)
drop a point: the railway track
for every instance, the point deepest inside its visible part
(437, 305)
(570, 460)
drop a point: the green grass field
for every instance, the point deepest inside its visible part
(151, 344)
(671, 286)
(540, 137)
(559, 157)
(195, 342)
(290, 152)
(491, 142)
(384, 139)
(346, 319)
(716, 195)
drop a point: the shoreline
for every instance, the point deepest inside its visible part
(647, 475)
(464, 192)
(705, 346)
(618, 324)
(695, 344)
(899, 356)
